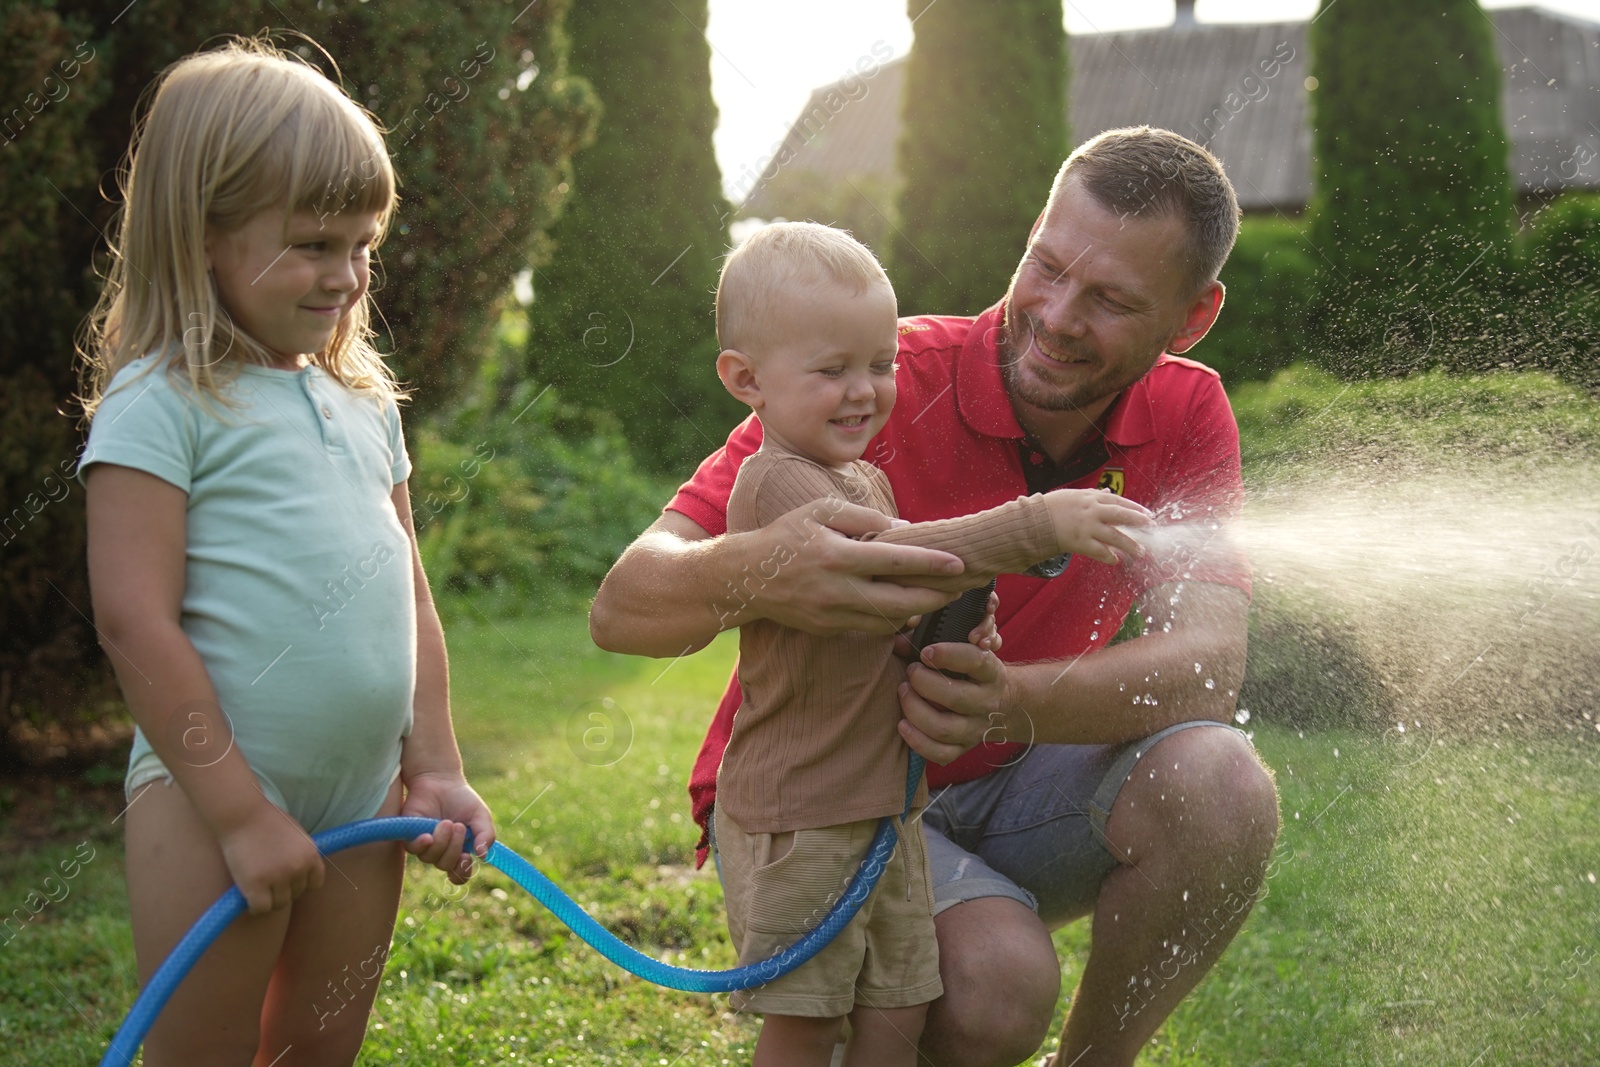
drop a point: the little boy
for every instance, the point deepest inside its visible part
(806, 323)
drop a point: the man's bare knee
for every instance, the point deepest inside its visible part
(1200, 789)
(1245, 812)
(1001, 981)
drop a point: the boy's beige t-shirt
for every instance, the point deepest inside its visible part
(815, 741)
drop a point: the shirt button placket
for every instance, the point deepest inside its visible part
(332, 437)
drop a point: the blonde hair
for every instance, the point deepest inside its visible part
(778, 257)
(229, 133)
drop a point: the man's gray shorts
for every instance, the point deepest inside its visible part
(1035, 830)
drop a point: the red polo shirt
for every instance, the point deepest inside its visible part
(953, 446)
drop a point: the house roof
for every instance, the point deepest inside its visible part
(1206, 82)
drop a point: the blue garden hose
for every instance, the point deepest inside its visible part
(125, 1045)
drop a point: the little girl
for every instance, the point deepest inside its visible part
(255, 576)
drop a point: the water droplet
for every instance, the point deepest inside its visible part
(1094, 634)
(1211, 683)
(1185, 894)
(1241, 716)
(1591, 878)
(1335, 753)
(1197, 668)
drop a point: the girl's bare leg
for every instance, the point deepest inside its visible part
(331, 963)
(175, 872)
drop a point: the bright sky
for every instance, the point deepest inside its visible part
(766, 58)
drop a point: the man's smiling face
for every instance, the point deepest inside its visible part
(1096, 299)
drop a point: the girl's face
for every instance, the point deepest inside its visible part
(289, 289)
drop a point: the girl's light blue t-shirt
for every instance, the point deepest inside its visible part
(298, 586)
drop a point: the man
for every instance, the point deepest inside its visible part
(1076, 778)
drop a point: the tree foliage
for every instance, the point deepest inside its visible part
(1556, 321)
(1271, 279)
(623, 317)
(1413, 203)
(484, 118)
(983, 131)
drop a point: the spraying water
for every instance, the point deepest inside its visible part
(1466, 594)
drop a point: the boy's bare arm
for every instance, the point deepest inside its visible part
(677, 587)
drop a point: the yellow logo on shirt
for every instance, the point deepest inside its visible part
(912, 327)
(1112, 478)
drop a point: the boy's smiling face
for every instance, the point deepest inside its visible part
(824, 385)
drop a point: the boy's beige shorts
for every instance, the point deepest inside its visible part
(779, 886)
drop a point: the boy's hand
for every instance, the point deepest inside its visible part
(270, 858)
(987, 635)
(448, 798)
(1089, 523)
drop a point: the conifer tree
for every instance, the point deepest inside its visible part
(624, 318)
(983, 132)
(1412, 210)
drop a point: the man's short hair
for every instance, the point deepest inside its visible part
(1143, 172)
(777, 258)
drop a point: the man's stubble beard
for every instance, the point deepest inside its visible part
(1012, 346)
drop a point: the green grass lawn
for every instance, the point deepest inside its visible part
(1432, 901)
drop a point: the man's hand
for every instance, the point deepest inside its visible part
(677, 587)
(944, 717)
(825, 582)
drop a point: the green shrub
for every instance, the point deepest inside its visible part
(528, 497)
(1271, 284)
(1305, 415)
(1412, 204)
(1557, 324)
(53, 76)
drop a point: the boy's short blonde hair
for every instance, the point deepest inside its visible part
(776, 258)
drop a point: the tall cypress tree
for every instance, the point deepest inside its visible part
(1413, 205)
(983, 131)
(623, 318)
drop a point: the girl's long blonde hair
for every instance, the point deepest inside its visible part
(230, 133)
